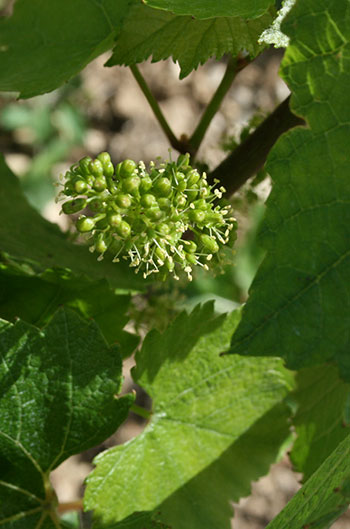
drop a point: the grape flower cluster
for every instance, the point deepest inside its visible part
(166, 219)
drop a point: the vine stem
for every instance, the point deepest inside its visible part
(250, 156)
(70, 506)
(142, 412)
(233, 67)
(174, 142)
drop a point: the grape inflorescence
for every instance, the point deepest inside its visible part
(164, 219)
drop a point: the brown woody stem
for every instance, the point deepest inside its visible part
(70, 506)
(250, 156)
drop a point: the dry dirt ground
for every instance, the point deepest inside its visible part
(122, 123)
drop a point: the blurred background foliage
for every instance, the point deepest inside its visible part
(45, 129)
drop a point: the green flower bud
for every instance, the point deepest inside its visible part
(197, 216)
(192, 177)
(123, 201)
(68, 189)
(108, 169)
(146, 184)
(192, 193)
(96, 205)
(191, 247)
(127, 168)
(100, 184)
(131, 184)
(84, 165)
(169, 263)
(164, 203)
(200, 204)
(181, 186)
(154, 213)
(104, 158)
(73, 206)
(161, 254)
(183, 161)
(181, 202)
(112, 185)
(85, 224)
(162, 187)
(115, 219)
(101, 243)
(214, 218)
(80, 186)
(123, 229)
(163, 228)
(191, 258)
(204, 191)
(96, 168)
(209, 243)
(148, 201)
(180, 176)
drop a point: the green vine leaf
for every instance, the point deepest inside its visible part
(150, 32)
(202, 404)
(58, 390)
(206, 500)
(40, 245)
(210, 9)
(320, 422)
(299, 304)
(323, 498)
(36, 299)
(42, 44)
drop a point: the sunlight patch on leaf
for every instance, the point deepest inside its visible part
(203, 402)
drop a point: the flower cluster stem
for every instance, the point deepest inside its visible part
(174, 142)
(233, 67)
(142, 412)
(70, 506)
